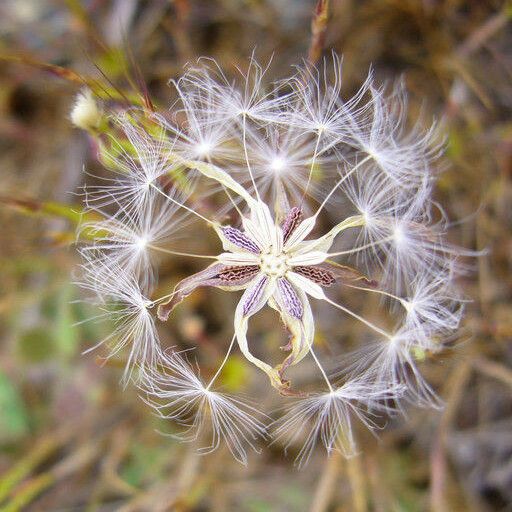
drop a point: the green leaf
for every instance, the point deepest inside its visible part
(14, 420)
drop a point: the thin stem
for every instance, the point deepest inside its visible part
(233, 202)
(360, 318)
(322, 371)
(223, 362)
(360, 248)
(247, 156)
(91, 319)
(181, 204)
(380, 292)
(363, 161)
(177, 253)
(168, 296)
(313, 161)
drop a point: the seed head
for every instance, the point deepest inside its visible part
(85, 113)
(315, 199)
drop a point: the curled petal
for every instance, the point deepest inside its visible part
(345, 274)
(253, 299)
(216, 173)
(301, 329)
(217, 275)
(324, 243)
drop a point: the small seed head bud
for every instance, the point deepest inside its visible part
(86, 114)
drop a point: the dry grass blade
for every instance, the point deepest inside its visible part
(318, 31)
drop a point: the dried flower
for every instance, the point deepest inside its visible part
(313, 194)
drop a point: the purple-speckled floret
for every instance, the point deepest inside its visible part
(291, 301)
(240, 239)
(318, 275)
(254, 297)
(236, 274)
(292, 220)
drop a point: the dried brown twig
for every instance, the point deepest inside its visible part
(318, 30)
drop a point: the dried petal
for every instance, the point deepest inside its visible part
(346, 274)
(236, 274)
(217, 275)
(306, 285)
(307, 259)
(253, 299)
(302, 331)
(220, 176)
(289, 299)
(324, 243)
(300, 233)
(292, 220)
(318, 275)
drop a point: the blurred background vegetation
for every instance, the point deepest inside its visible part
(70, 438)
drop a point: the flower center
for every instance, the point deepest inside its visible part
(275, 265)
